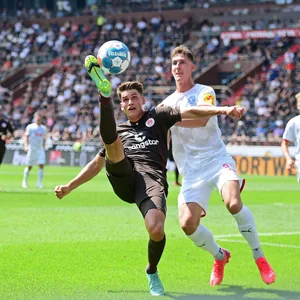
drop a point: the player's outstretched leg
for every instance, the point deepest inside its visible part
(247, 228)
(92, 66)
(40, 178)
(155, 285)
(204, 239)
(25, 177)
(217, 272)
(107, 121)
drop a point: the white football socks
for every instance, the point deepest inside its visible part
(204, 239)
(25, 174)
(246, 226)
(40, 176)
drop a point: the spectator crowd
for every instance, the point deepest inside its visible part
(68, 100)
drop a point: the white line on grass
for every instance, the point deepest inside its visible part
(260, 234)
(263, 243)
(26, 191)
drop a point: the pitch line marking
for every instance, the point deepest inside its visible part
(263, 243)
(260, 234)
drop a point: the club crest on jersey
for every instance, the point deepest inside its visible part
(3, 125)
(208, 98)
(150, 122)
(191, 100)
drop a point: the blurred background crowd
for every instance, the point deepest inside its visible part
(43, 46)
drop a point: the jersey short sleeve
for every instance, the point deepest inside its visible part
(45, 132)
(10, 128)
(289, 132)
(27, 130)
(102, 151)
(169, 115)
(207, 96)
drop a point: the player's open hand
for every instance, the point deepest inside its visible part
(290, 164)
(235, 112)
(61, 191)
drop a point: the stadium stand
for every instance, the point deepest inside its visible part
(68, 101)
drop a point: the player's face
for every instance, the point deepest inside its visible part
(182, 68)
(38, 119)
(132, 104)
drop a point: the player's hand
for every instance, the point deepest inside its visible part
(62, 191)
(235, 112)
(290, 164)
(26, 148)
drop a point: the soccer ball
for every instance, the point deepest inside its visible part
(113, 57)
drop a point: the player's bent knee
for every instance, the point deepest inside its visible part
(188, 226)
(157, 233)
(234, 206)
(155, 224)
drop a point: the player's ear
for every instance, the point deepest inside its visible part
(144, 100)
(193, 67)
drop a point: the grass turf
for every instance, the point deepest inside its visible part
(91, 245)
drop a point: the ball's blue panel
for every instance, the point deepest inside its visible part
(125, 47)
(115, 70)
(106, 62)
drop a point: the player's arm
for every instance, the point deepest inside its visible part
(190, 123)
(194, 113)
(9, 133)
(169, 139)
(208, 97)
(92, 169)
(26, 142)
(194, 123)
(290, 163)
(45, 138)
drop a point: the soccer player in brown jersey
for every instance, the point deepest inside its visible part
(135, 155)
(6, 131)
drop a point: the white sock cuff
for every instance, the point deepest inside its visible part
(204, 239)
(243, 214)
(194, 234)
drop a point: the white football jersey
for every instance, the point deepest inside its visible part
(193, 145)
(37, 134)
(292, 134)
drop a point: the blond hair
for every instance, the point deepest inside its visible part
(297, 96)
(130, 85)
(183, 50)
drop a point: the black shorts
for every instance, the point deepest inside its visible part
(135, 187)
(2, 151)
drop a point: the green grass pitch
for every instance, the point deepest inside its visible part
(91, 245)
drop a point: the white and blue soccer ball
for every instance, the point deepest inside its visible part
(113, 57)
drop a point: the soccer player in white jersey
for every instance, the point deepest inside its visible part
(204, 164)
(292, 135)
(34, 145)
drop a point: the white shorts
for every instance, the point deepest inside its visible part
(198, 185)
(35, 157)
